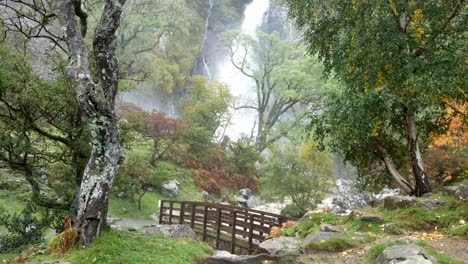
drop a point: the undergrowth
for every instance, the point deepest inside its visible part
(114, 247)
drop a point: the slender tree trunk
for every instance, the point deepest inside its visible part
(422, 182)
(400, 180)
(260, 140)
(97, 100)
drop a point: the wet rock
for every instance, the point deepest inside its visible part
(246, 193)
(367, 217)
(170, 188)
(331, 228)
(174, 231)
(224, 257)
(405, 254)
(280, 245)
(318, 237)
(399, 201)
(392, 228)
(432, 202)
(205, 195)
(460, 191)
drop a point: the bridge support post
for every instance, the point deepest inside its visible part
(233, 235)
(251, 227)
(192, 217)
(205, 221)
(161, 205)
(182, 213)
(218, 228)
(171, 208)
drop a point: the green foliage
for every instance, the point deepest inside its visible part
(304, 176)
(242, 158)
(22, 230)
(284, 79)
(207, 105)
(395, 60)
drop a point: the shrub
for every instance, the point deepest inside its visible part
(22, 229)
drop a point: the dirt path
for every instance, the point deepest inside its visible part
(456, 247)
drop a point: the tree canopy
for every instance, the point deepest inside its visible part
(400, 63)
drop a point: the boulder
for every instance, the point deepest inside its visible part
(367, 217)
(174, 231)
(392, 228)
(399, 201)
(432, 203)
(241, 201)
(405, 254)
(246, 193)
(205, 195)
(224, 257)
(460, 191)
(318, 237)
(331, 228)
(280, 245)
(170, 188)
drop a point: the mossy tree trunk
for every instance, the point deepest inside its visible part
(97, 100)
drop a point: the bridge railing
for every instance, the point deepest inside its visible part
(239, 227)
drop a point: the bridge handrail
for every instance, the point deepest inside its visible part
(241, 224)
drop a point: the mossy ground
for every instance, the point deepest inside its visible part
(114, 247)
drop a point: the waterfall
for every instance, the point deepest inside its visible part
(206, 69)
(241, 87)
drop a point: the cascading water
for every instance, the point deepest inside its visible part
(206, 69)
(242, 122)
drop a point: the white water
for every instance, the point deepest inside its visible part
(240, 86)
(206, 69)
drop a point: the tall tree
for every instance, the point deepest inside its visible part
(97, 99)
(409, 52)
(281, 73)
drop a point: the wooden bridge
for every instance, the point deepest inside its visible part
(227, 227)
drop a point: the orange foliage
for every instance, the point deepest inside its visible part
(276, 230)
(65, 240)
(447, 157)
(212, 175)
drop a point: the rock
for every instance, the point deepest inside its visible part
(367, 217)
(399, 201)
(318, 237)
(392, 228)
(331, 228)
(460, 191)
(224, 257)
(358, 236)
(170, 188)
(205, 195)
(432, 203)
(253, 202)
(246, 193)
(174, 231)
(280, 245)
(241, 201)
(405, 254)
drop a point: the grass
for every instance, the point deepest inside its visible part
(115, 247)
(333, 245)
(446, 217)
(124, 208)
